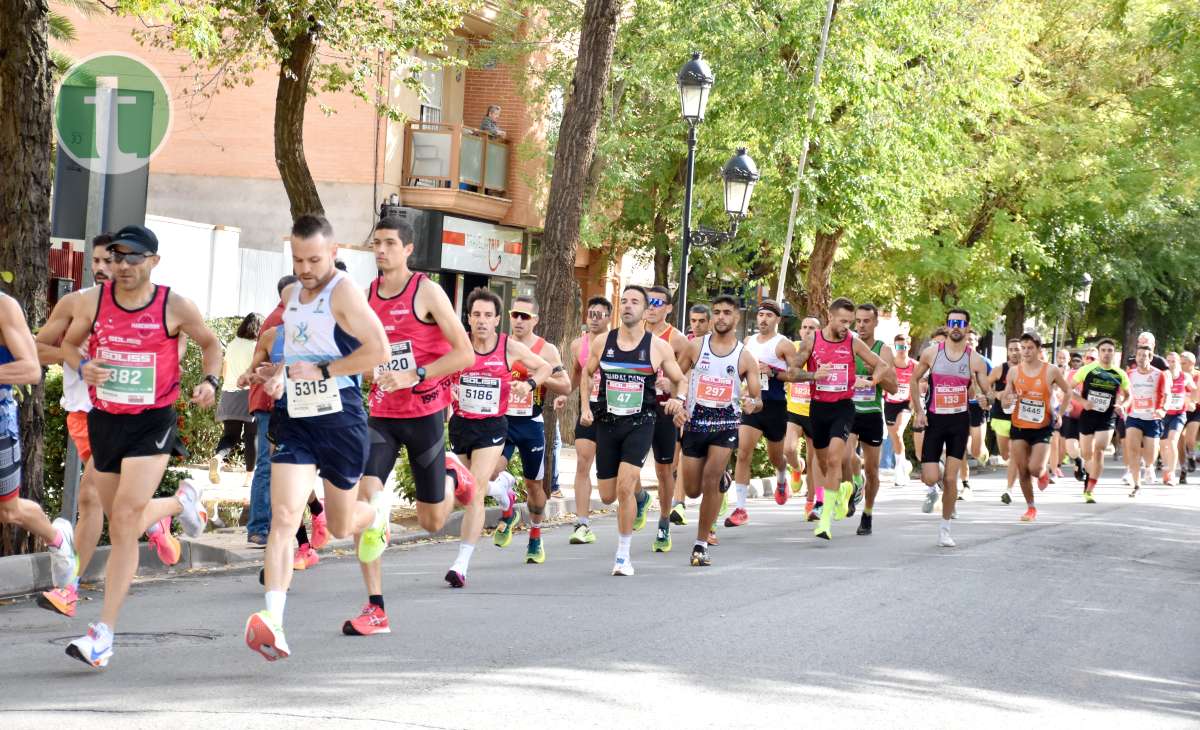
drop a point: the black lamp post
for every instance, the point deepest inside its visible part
(739, 173)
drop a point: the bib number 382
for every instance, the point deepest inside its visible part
(308, 398)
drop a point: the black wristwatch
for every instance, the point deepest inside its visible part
(420, 375)
(214, 382)
(532, 384)
(324, 368)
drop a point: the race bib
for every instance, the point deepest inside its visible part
(764, 381)
(308, 398)
(800, 392)
(1143, 403)
(401, 359)
(132, 379)
(902, 391)
(624, 398)
(1100, 400)
(595, 394)
(864, 390)
(1175, 402)
(950, 399)
(838, 379)
(713, 391)
(1032, 410)
(520, 405)
(479, 395)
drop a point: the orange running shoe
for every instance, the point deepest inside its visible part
(62, 600)
(1043, 480)
(165, 544)
(1030, 515)
(305, 558)
(464, 490)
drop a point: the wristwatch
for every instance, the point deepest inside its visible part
(324, 368)
(420, 375)
(532, 383)
(214, 382)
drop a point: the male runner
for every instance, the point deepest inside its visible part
(922, 389)
(409, 396)
(1176, 414)
(19, 366)
(1101, 388)
(599, 318)
(867, 430)
(975, 444)
(828, 360)
(526, 426)
(628, 359)
(330, 336)
(799, 405)
(1001, 419)
(666, 434)
(479, 425)
(1146, 406)
(775, 354)
(1027, 395)
(896, 410)
(718, 363)
(953, 367)
(131, 327)
(699, 321)
(76, 402)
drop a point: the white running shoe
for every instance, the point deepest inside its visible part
(93, 648)
(1148, 476)
(944, 539)
(1127, 478)
(64, 562)
(901, 477)
(622, 566)
(194, 516)
(930, 499)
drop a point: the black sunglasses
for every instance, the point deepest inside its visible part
(133, 259)
(520, 315)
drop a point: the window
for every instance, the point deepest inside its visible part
(431, 96)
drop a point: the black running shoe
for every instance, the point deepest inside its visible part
(726, 482)
(855, 497)
(1182, 475)
(1080, 474)
(816, 512)
(1191, 463)
(1005, 498)
(864, 525)
(700, 557)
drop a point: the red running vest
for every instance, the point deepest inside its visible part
(413, 344)
(143, 357)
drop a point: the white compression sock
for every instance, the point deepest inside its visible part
(275, 602)
(623, 542)
(463, 561)
(742, 489)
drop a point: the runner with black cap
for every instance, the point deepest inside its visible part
(131, 328)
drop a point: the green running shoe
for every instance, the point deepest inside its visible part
(841, 507)
(502, 537)
(374, 540)
(642, 503)
(824, 528)
(583, 535)
(662, 543)
(535, 553)
(678, 516)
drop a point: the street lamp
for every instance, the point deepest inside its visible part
(1082, 293)
(740, 173)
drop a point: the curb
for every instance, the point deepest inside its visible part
(21, 575)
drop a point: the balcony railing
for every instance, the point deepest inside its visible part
(454, 168)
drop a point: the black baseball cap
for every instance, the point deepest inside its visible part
(138, 238)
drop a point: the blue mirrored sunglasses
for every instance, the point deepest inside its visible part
(956, 323)
(656, 302)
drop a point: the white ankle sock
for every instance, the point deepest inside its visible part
(742, 489)
(463, 561)
(275, 602)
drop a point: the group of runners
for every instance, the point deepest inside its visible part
(697, 401)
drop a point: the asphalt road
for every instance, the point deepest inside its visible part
(1088, 617)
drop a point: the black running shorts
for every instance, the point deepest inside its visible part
(622, 440)
(948, 432)
(422, 439)
(117, 436)
(830, 421)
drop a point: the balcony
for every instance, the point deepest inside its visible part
(455, 169)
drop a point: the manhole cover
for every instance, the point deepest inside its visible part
(133, 639)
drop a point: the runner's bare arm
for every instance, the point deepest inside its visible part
(355, 316)
(979, 373)
(879, 367)
(889, 381)
(77, 334)
(924, 363)
(539, 369)
(665, 355)
(593, 364)
(748, 369)
(559, 383)
(796, 372)
(187, 320)
(262, 356)
(461, 355)
(24, 369)
(50, 336)
(574, 369)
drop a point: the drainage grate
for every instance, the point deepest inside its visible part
(133, 639)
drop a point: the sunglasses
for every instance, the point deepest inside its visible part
(656, 302)
(597, 314)
(526, 316)
(133, 259)
(956, 323)
(901, 347)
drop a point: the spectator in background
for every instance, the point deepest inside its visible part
(233, 411)
(261, 404)
(491, 122)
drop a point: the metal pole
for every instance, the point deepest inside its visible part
(812, 109)
(681, 306)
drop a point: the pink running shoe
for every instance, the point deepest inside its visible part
(371, 620)
(737, 518)
(464, 491)
(62, 600)
(455, 579)
(320, 530)
(1043, 480)
(305, 558)
(165, 544)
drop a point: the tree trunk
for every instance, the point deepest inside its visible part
(662, 244)
(1130, 322)
(291, 96)
(26, 103)
(557, 291)
(820, 272)
(1014, 318)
